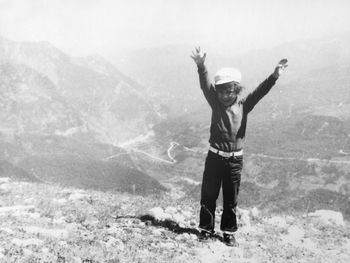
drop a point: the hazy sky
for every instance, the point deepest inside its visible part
(80, 27)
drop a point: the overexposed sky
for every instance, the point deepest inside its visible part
(81, 27)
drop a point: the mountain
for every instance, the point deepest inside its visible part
(61, 117)
(111, 104)
(30, 102)
(168, 74)
(78, 161)
(317, 75)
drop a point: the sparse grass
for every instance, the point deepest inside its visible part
(112, 227)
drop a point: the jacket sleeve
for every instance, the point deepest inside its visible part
(254, 97)
(206, 86)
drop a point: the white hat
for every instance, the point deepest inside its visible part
(226, 75)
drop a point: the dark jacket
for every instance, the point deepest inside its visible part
(228, 124)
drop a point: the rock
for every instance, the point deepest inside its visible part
(295, 236)
(77, 196)
(55, 233)
(243, 216)
(166, 216)
(20, 213)
(6, 230)
(91, 221)
(142, 224)
(5, 188)
(62, 243)
(59, 221)
(27, 242)
(328, 217)
(11, 209)
(34, 215)
(170, 210)
(157, 232)
(167, 245)
(290, 220)
(156, 212)
(310, 245)
(180, 237)
(60, 201)
(254, 213)
(115, 243)
(159, 214)
(178, 218)
(4, 180)
(278, 221)
(136, 221)
(187, 214)
(192, 237)
(77, 260)
(45, 250)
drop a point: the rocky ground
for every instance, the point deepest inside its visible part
(47, 223)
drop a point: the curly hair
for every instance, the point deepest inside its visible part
(237, 87)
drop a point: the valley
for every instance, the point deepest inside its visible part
(81, 122)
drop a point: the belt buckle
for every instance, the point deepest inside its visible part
(231, 154)
(225, 154)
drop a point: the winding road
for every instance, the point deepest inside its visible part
(128, 147)
(300, 159)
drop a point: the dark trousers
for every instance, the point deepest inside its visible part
(226, 172)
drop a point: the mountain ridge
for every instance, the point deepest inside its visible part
(61, 117)
(176, 73)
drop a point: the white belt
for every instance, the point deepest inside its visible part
(226, 154)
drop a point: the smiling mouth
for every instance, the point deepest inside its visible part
(227, 102)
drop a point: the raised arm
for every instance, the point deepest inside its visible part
(207, 88)
(254, 97)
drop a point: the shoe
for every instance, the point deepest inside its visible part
(229, 240)
(205, 236)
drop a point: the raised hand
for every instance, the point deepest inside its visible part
(198, 57)
(280, 67)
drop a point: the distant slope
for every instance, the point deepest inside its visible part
(317, 74)
(111, 104)
(60, 118)
(91, 174)
(30, 102)
(16, 173)
(71, 161)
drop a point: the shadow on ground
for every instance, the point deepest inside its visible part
(169, 225)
